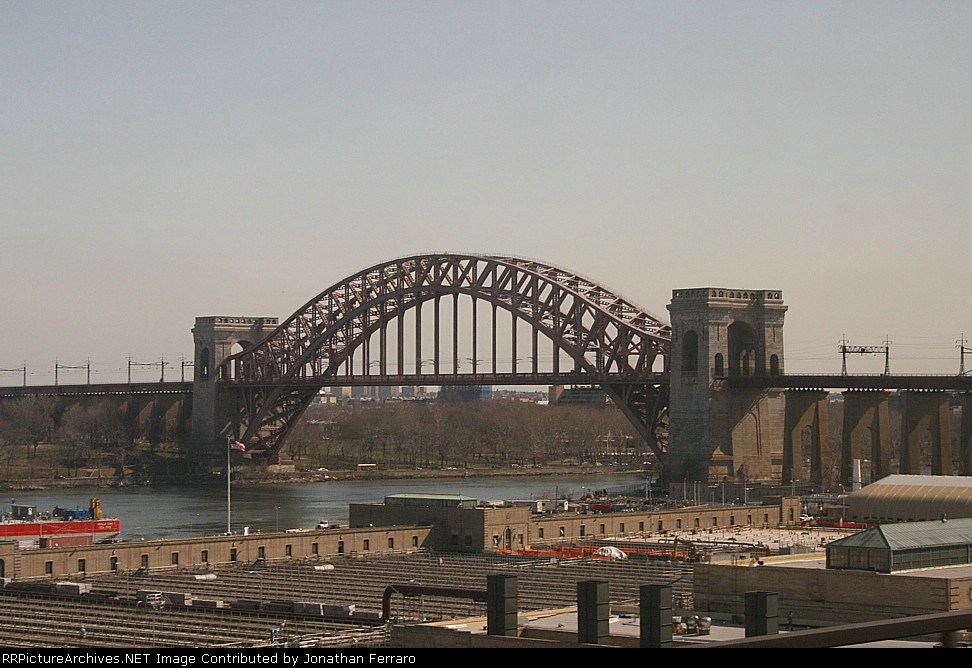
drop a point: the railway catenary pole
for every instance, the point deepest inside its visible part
(229, 505)
(962, 350)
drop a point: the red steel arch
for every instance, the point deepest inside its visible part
(612, 342)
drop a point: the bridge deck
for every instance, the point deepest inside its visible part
(465, 379)
(854, 382)
(96, 389)
(788, 381)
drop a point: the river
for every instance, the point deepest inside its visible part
(167, 512)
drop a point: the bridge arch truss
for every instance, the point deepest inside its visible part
(354, 333)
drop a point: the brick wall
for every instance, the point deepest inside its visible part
(827, 597)
(213, 550)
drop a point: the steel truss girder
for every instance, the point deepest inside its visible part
(604, 334)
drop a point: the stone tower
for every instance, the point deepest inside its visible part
(215, 339)
(718, 433)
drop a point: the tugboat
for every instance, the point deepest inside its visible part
(62, 527)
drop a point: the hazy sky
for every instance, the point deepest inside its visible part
(165, 160)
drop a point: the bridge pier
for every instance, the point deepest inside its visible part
(756, 429)
(718, 432)
(216, 338)
(965, 432)
(865, 413)
(925, 413)
(807, 425)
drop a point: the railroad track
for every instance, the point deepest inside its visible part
(112, 618)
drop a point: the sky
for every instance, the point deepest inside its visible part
(163, 161)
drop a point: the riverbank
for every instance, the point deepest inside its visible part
(417, 474)
(246, 478)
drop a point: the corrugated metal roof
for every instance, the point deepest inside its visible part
(912, 497)
(437, 497)
(912, 535)
(869, 539)
(925, 480)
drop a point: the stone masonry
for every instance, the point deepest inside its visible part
(718, 434)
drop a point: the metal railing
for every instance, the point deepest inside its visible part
(946, 623)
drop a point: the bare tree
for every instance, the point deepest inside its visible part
(94, 433)
(425, 433)
(29, 421)
(8, 453)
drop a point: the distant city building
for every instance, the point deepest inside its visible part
(388, 391)
(525, 396)
(371, 392)
(327, 398)
(465, 393)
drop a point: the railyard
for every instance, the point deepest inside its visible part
(366, 586)
(258, 599)
(414, 559)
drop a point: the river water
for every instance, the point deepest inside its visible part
(166, 512)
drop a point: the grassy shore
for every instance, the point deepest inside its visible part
(106, 479)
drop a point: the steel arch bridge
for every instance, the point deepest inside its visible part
(354, 333)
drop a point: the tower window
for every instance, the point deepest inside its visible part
(742, 349)
(690, 352)
(202, 364)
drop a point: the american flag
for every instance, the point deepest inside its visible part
(238, 446)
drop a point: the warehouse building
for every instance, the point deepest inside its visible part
(458, 524)
(911, 498)
(907, 546)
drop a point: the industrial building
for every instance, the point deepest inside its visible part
(458, 525)
(911, 498)
(888, 571)
(206, 552)
(906, 546)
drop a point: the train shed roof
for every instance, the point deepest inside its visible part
(911, 535)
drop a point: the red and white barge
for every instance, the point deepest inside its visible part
(61, 527)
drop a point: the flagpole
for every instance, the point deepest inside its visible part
(228, 502)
